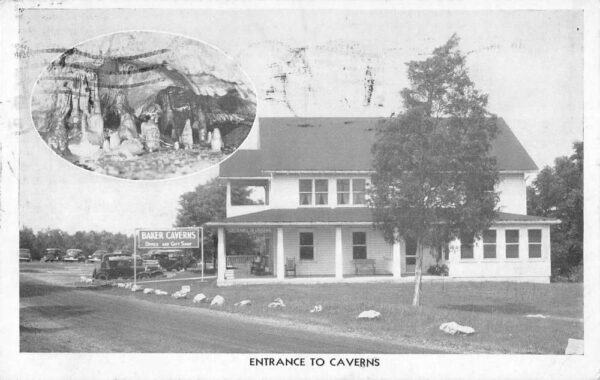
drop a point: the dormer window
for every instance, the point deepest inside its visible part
(351, 191)
(317, 189)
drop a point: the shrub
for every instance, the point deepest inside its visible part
(576, 274)
(438, 270)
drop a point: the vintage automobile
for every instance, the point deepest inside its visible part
(96, 257)
(74, 255)
(53, 254)
(117, 265)
(171, 259)
(24, 255)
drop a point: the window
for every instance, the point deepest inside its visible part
(512, 244)
(343, 191)
(358, 191)
(359, 245)
(466, 247)
(535, 243)
(351, 191)
(442, 252)
(307, 248)
(321, 186)
(489, 244)
(411, 251)
(306, 192)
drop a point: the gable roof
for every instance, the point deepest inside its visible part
(340, 144)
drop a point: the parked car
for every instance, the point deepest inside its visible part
(24, 255)
(171, 259)
(74, 255)
(118, 265)
(53, 254)
(96, 257)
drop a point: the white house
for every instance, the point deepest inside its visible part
(311, 175)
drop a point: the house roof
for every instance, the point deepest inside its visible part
(339, 216)
(339, 144)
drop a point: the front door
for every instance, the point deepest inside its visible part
(410, 256)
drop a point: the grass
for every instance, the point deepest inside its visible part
(495, 310)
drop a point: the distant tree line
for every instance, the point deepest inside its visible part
(88, 241)
(557, 192)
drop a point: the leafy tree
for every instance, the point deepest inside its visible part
(557, 192)
(207, 203)
(27, 240)
(433, 178)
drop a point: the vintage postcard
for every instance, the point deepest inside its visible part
(300, 190)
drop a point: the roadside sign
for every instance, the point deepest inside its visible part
(168, 238)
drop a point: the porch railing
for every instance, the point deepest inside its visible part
(239, 260)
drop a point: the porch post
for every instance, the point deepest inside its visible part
(339, 262)
(280, 256)
(396, 255)
(221, 261)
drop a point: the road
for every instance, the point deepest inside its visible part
(57, 318)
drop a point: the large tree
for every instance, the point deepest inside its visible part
(207, 203)
(558, 192)
(433, 178)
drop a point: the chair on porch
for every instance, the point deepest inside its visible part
(259, 265)
(290, 265)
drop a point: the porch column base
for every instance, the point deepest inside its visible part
(339, 262)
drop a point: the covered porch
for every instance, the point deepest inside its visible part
(308, 246)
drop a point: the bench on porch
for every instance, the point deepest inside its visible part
(364, 264)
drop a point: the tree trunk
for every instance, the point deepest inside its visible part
(418, 275)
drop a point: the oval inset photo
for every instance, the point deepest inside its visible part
(143, 105)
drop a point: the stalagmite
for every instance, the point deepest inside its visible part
(115, 141)
(216, 143)
(151, 133)
(95, 121)
(57, 135)
(186, 137)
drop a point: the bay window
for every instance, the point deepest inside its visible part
(535, 243)
(512, 244)
(489, 244)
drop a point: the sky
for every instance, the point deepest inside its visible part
(529, 62)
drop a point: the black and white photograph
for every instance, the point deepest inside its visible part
(302, 191)
(120, 105)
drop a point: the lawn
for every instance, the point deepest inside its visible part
(496, 310)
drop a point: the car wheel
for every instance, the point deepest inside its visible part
(103, 276)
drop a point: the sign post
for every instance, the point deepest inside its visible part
(202, 251)
(167, 238)
(134, 255)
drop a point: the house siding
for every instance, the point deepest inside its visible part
(512, 193)
(377, 249)
(324, 250)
